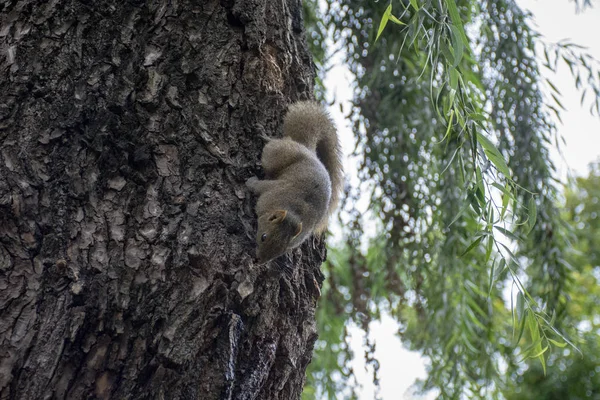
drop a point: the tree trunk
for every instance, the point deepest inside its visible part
(127, 130)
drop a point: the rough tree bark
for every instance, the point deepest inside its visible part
(127, 131)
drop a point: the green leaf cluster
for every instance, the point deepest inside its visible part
(572, 374)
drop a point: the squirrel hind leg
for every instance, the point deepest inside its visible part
(278, 154)
(257, 186)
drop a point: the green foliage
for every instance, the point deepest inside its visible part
(331, 375)
(582, 67)
(582, 4)
(571, 374)
(453, 134)
(316, 31)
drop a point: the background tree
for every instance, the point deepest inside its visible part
(452, 119)
(127, 132)
(574, 374)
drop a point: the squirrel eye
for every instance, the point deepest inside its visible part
(263, 237)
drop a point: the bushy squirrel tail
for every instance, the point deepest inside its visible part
(308, 123)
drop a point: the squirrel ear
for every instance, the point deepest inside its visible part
(298, 231)
(278, 216)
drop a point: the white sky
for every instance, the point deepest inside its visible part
(555, 20)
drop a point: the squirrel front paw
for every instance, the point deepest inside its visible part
(251, 183)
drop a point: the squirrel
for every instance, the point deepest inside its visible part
(303, 181)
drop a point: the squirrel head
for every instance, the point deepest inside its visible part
(276, 232)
